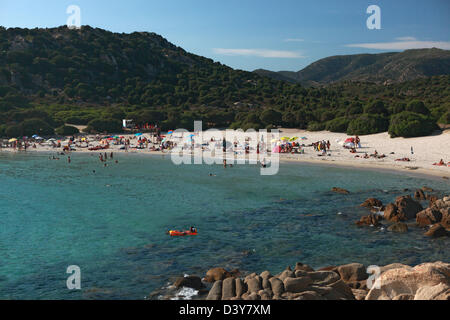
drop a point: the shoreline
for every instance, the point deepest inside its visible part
(284, 158)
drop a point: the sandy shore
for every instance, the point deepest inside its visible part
(427, 150)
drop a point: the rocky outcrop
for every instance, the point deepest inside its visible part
(371, 203)
(215, 274)
(189, 282)
(372, 219)
(428, 216)
(303, 284)
(407, 281)
(437, 231)
(427, 281)
(404, 208)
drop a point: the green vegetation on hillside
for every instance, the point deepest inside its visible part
(53, 77)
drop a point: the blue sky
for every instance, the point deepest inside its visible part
(251, 34)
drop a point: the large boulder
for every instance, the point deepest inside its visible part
(240, 287)
(216, 274)
(407, 207)
(398, 227)
(216, 291)
(340, 291)
(440, 291)
(254, 284)
(419, 195)
(372, 219)
(437, 231)
(302, 267)
(228, 288)
(390, 213)
(277, 286)
(372, 202)
(323, 278)
(428, 216)
(296, 285)
(445, 221)
(397, 281)
(189, 282)
(288, 273)
(352, 272)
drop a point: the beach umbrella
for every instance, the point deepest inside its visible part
(285, 138)
(274, 140)
(170, 132)
(138, 134)
(12, 140)
(293, 138)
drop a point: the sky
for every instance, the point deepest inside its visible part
(251, 34)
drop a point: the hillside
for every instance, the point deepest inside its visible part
(93, 77)
(384, 67)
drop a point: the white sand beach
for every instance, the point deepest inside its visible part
(426, 150)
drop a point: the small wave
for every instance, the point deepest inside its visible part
(185, 294)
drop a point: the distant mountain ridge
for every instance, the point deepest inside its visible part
(391, 67)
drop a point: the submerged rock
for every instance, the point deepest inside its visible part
(340, 190)
(398, 227)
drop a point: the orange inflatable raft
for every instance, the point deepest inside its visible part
(176, 233)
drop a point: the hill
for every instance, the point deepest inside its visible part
(51, 77)
(379, 68)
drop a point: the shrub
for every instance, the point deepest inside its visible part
(445, 119)
(410, 124)
(316, 126)
(376, 107)
(270, 116)
(417, 106)
(337, 125)
(368, 124)
(66, 130)
(104, 125)
(13, 131)
(36, 126)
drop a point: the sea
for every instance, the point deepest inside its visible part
(111, 222)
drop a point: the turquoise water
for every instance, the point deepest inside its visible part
(112, 223)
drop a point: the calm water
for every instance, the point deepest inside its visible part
(112, 223)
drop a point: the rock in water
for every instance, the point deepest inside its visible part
(372, 202)
(215, 274)
(296, 285)
(398, 227)
(437, 231)
(428, 216)
(340, 190)
(189, 282)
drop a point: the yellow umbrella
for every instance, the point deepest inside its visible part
(12, 140)
(293, 138)
(284, 138)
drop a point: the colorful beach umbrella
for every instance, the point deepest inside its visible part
(285, 138)
(170, 132)
(293, 138)
(138, 134)
(12, 140)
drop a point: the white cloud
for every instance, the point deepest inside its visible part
(406, 39)
(294, 40)
(264, 53)
(405, 44)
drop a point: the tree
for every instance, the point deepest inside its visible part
(368, 124)
(417, 106)
(66, 130)
(36, 126)
(409, 124)
(270, 116)
(376, 107)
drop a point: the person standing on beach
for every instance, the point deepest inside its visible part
(68, 159)
(412, 150)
